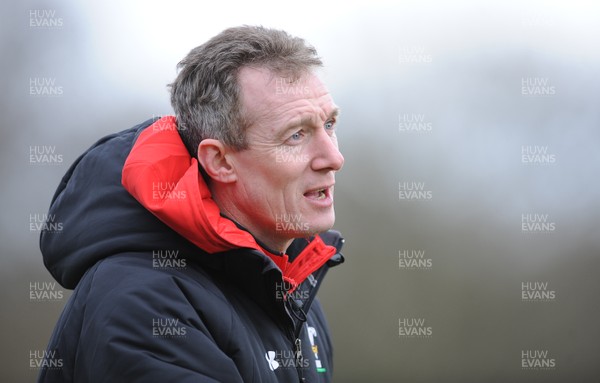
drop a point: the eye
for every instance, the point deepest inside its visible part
(297, 136)
(329, 125)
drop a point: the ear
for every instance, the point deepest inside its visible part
(212, 155)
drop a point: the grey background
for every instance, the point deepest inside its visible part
(113, 59)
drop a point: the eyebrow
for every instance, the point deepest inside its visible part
(334, 113)
(308, 120)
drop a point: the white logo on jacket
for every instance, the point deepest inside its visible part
(270, 356)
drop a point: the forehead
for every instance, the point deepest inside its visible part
(270, 97)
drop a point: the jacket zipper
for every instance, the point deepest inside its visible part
(295, 337)
(299, 359)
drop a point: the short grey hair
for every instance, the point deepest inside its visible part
(206, 93)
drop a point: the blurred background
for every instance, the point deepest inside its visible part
(469, 197)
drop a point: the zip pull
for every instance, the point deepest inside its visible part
(299, 357)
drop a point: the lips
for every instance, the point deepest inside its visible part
(319, 193)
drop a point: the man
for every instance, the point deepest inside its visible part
(196, 243)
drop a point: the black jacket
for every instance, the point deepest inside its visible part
(150, 306)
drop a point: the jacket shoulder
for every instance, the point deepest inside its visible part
(141, 322)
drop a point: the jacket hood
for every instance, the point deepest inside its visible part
(109, 200)
(99, 217)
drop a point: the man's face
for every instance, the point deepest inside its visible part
(286, 175)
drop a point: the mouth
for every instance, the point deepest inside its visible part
(320, 193)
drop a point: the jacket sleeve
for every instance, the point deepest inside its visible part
(143, 329)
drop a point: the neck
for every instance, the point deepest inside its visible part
(265, 238)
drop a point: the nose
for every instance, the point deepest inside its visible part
(327, 155)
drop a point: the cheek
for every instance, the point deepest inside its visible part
(280, 191)
(273, 175)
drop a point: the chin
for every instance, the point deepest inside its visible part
(296, 227)
(322, 224)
